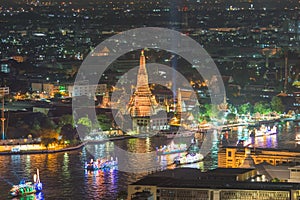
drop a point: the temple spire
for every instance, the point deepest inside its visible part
(142, 77)
(142, 101)
(179, 102)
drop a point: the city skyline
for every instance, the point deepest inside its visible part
(183, 99)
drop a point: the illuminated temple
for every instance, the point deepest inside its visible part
(142, 103)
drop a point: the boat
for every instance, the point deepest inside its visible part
(192, 156)
(263, 131)
(188, 159)
(26, 188)
(101, 164)
(171, 149)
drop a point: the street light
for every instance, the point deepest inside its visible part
(3, 92)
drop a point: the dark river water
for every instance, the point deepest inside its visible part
(64, 177)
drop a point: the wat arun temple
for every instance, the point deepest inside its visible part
(142, 104)
(147, 113)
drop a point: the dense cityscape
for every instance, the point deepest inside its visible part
(180, 143)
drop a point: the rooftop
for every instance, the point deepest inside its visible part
(193, 178)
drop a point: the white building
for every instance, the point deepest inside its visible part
(87, 90)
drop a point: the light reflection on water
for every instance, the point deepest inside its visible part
(38, 196)
(64, 177)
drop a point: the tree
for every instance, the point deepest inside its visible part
(262, 108)
(84, 126)
(49, 136)
(232, 108)
(277, 105)
(66, 119)
(85, 121)
(104, 122)
(68, 132)
(47, 141)
(244, 109)
(211, 111)
(275, 179)
(207, 112)
(231, 117)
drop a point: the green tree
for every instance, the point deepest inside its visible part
(262, 108)
(207, 112)
(85, 125)
(277, 105)
(202, 114)
(275, 179)
(104, 122)
(85, 121)
(66, 119)
(232, 108)
(211, 110)
(244, 109)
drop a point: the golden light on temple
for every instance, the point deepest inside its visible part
(142, 101)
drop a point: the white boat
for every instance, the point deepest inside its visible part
(188, 159)
(192, 155)
(263, 131)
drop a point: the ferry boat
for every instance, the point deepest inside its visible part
(192, 156)
(171, 149)
(188, 159)
(263, 131)
(25, 188)
(101, 164)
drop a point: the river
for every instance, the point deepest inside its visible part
(64, 177)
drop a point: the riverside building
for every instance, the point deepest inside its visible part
(217, 184)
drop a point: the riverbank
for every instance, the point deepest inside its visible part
(110, 139)
(79, 146)
(43, 151)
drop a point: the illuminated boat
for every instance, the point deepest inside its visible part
(26, 188)
(263, 131)
(188, 159)
(170, 149)
(192, 156)
(101, 164)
